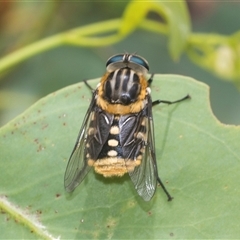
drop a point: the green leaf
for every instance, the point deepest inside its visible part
(198, 160)
(175, 16)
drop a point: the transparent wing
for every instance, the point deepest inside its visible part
(77, 167)
(144, 176)
(137, 140)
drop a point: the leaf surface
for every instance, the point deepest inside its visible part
(198, 160)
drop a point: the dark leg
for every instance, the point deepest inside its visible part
(170, 198)
(85, 81)
(170, 102)
(165, 101)
(150, 79)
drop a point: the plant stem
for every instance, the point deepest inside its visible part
(81, 36)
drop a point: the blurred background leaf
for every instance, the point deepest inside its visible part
(175, 21)
(22, 23)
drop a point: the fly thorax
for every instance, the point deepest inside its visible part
(122, 86)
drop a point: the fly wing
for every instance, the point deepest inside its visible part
(77, 167)
(139, 146)
(144, 176)
(93, 134)
(98, 132)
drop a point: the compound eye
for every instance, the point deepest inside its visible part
(134, 62)
(139, 61)
(114, 59)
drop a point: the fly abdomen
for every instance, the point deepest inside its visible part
(112, 147)
(111, 160)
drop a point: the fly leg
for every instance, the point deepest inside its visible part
(156, 102)
(86, 83)
(166, 102)
(170, 198)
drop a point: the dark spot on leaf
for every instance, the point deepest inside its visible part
(39, 212)
(171, 234)
(45, 126)
(111, 222)
(58, 195)
(149, 213)
(40, 148)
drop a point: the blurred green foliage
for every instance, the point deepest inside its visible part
(23, 23)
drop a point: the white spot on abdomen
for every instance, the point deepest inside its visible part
(112, 142)
(114, 130)
(112, 153)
